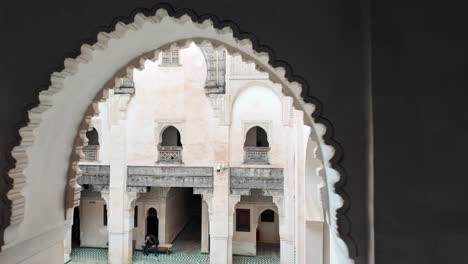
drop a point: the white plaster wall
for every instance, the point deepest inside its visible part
(52, 255)
(257, 105)
(314, 211)
(93, 233)
(171, 96)
(139, 231)
(177, 211)
(244, 243)
(314, 242)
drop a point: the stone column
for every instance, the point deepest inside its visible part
(120, 209)
(205, 228)
(218, 224)
(286, 241)
(162, 216)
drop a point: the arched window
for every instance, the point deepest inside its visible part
(93, 136)
(91, 151)
(170, 147)
(256, 146)
(171, 137)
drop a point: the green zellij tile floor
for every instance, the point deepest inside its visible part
(99, 256)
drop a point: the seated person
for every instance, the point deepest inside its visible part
(151, 243)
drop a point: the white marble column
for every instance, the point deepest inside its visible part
(205, 228)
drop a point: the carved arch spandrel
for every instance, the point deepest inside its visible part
(192, 28)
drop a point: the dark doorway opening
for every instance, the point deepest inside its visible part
(75, 232)
(152, 223)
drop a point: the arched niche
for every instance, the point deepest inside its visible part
(72, 99)
(170, 137)
(256, 137)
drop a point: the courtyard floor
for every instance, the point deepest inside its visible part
(186, 250)
(99, 256)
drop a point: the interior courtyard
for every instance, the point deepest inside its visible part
(198, 147)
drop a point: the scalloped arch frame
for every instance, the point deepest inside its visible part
(72, 98)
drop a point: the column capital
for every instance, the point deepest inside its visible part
(105, 195)
(233, 200)
(279, 202)
(208, 199)
(132, 196)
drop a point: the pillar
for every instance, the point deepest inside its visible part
(218, 227)
(120, 204)
(205, 228)
(163, 235)
(286, 239)
(233, 200)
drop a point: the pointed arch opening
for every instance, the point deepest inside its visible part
(170, 147)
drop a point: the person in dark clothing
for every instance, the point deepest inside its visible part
(151, 242)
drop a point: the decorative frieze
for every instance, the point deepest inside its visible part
(164, 176)
(269, 180)
(215, 69)
(256, 155)
(94, 174)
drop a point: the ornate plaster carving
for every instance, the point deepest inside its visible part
(165, 176)
(215, 69)
(184, 28)
(269, 180)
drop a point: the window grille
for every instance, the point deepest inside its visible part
(170, 57)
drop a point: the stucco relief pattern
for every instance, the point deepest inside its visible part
(200, 177)
(257, 178)
(205, 29)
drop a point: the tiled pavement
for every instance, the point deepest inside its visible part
(99, 256)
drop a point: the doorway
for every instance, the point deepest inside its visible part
(75, 232)
(152, 222)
